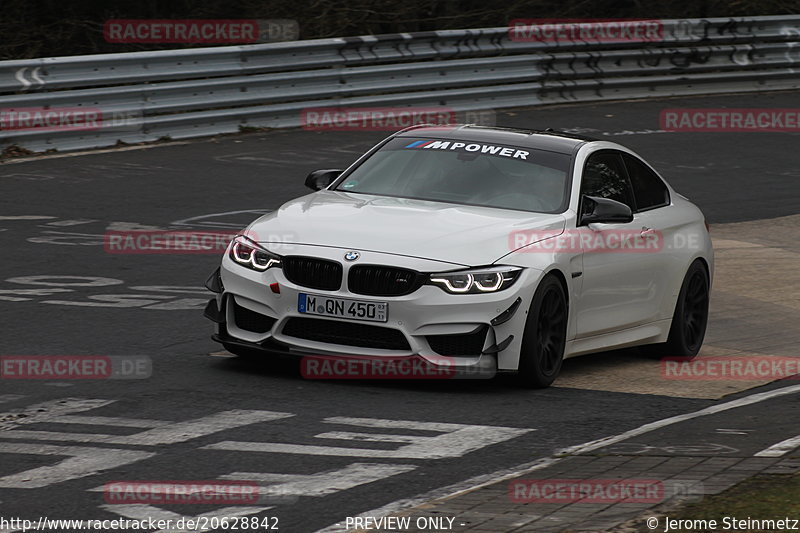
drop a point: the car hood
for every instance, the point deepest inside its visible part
(458, 234)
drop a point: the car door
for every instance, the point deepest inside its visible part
(662, 227)
(618, 288)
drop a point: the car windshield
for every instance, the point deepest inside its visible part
(464, 172)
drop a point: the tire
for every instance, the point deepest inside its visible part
(545, 335)
(690, 319)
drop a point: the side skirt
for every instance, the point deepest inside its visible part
(650, 333)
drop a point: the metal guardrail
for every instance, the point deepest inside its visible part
(189, 93)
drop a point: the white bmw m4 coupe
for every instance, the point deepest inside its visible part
(491, 249)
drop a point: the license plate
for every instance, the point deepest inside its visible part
(312, 304)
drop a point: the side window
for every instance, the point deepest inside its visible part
(648, 189)
(604, 176)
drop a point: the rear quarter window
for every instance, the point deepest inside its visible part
(648, 189)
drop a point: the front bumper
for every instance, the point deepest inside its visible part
(432, 324)
(484, 367)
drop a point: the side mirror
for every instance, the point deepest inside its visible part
(319, 179)
(606, 210)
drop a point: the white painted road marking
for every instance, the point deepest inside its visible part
(472, 484)
(313, 485)
(450, 440)
(50, 285)
(64, 281)
(372, 437)
(45, 411)
(209, 220)
(28, 292)
(67, 238)
(652, 426)
(25, 217)
(455, 440)
(322, 483)
(5, 398)
(80, 462)
(113, 300)
(85, 461)
(76, 222)
(734, 431)
(113, 421)
(160, 434)
(36, 292)
(782, 448)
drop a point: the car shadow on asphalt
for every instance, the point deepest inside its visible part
(288, 369)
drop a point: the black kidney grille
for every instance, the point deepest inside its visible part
(346, 333)
(377, 280)
(312, 272)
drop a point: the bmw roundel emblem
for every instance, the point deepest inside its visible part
(352, 255)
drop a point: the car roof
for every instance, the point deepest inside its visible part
(548, 139)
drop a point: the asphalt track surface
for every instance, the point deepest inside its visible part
(54, 211)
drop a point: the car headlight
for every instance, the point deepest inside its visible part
(476, 280)
(249, 254)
